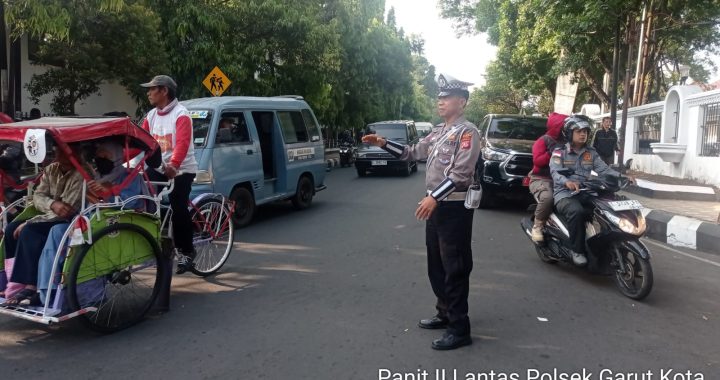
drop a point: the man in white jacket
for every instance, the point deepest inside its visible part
(170, 124)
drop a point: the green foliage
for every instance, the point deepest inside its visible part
(92, 53)
(351, 64)
(531, 34)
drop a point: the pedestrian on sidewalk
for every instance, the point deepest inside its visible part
(606, 141)
(451, 150)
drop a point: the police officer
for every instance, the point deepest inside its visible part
(451, 150)
(581, 160)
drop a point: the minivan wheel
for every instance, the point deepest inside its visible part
(244, 206)
(304, 193)
(415, 167)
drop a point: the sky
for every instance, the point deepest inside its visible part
(464, 58)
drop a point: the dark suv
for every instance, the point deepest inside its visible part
(372, 158)
(506, 156)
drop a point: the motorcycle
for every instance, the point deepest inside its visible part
(347, 154)
(612, 238)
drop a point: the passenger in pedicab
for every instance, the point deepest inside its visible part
(58, 196)
(109, 171)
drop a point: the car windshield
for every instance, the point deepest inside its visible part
(201, 120)
(517, 128)
(392, 132)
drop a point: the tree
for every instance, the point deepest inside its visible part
(531, 34)
(92, 53)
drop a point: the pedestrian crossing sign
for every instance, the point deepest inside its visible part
(216, 82)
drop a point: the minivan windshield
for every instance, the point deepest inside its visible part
(201, 120)
(395, 132)
(517, 128)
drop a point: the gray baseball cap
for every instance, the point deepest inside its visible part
(161, 80)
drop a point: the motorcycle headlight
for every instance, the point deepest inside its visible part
(627, 226)
(490, 154)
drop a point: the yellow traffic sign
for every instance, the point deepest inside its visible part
(216, 82)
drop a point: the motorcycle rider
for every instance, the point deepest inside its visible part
(541, 184)
(572, 204)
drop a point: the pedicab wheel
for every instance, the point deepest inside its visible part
(213, 236)
(117, 276)
(634, 277)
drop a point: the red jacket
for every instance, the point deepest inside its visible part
(543, 147)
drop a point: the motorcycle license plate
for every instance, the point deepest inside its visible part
(379, 162)
(625, 205)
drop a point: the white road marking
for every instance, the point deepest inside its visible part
(706, 261)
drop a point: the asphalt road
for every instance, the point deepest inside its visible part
(335, 292)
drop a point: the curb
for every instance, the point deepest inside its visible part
(681, 231)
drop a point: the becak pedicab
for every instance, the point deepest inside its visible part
(114, 261)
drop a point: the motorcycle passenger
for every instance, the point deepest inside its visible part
(346, 138)
(581, 160)
(541, 184)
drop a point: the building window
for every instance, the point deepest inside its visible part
(710, 131)
(648, 132)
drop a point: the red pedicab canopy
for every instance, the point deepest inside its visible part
(67, 130)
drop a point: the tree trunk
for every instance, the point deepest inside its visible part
(594, 86)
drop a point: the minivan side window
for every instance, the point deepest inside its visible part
(312, 127)
(293, 127)
(232, 129)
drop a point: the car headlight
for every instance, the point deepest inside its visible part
(626, 225)
(362, 155)
(203, 177)
(490, 154)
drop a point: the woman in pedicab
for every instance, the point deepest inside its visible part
(108, 268)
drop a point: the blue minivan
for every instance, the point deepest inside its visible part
(257, 150)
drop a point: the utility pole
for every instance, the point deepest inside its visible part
(629, 39)
(615, 76)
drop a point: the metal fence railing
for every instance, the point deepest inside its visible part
(710, 131)
(648, 132)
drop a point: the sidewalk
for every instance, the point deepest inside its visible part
(682, 223)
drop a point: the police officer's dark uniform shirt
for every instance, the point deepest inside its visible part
(451, 153)
(581, 162)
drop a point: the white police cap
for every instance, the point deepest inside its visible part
(449, 85)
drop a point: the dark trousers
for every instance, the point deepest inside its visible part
(448, 235)
(575, 210)
(179, 197)
(609, 159)
(26, 249)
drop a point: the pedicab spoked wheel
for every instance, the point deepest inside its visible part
(213, 236)
(118, 275)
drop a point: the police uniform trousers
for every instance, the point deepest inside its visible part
(448, 235)
(575, 211)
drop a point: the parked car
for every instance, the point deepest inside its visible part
(506, 157)
(373, 159)
(257, 150)
(423, 128)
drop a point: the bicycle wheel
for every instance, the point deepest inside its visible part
(213, 236)
(118, 275)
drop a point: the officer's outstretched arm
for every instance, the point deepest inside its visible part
(417, 151)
